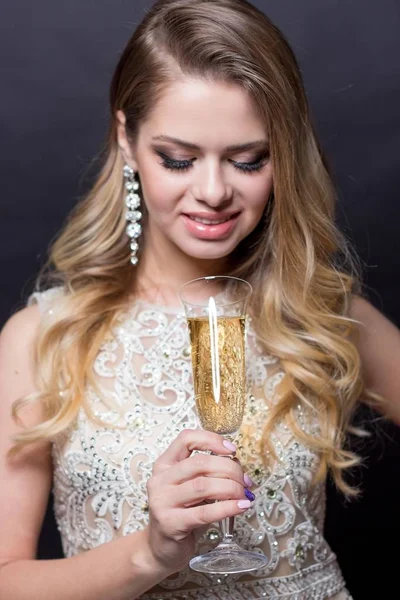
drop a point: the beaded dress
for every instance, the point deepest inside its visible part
(143, 370)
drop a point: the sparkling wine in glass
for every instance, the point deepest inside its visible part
(215, 309)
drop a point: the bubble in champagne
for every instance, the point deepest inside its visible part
(222, 412)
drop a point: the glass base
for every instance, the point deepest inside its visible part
(228, 558)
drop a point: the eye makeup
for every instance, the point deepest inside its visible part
(183, 165)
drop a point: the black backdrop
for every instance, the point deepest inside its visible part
(57, 59)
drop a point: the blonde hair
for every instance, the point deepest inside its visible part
(301, 270)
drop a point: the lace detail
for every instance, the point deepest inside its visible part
(316, 583)
(44, 299)
(143, 399)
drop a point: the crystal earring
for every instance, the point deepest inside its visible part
(133, 215)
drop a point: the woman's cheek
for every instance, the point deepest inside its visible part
(162, 194)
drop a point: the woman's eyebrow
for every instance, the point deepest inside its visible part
(190, 146)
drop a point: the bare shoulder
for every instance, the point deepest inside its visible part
(359, 305)
(17, 340)
(23, 323)
(369, 318)
(378, 343)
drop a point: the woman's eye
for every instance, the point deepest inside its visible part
(172, 164)
(251, 167)
(176, 165)
(183, 165)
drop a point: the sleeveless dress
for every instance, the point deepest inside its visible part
(144, 398)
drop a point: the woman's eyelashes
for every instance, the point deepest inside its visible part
(183, 165)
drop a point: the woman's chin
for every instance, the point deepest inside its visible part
(199, 249)
(208, 253)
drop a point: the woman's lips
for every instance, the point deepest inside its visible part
(206, 228)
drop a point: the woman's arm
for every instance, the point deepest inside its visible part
(379, 346)
(122, 569)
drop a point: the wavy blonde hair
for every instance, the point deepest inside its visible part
(301, 270)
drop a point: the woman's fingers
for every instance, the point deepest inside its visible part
(204, 465)
(182, 484)
(205, 514)
(205, 488)
(188, 441)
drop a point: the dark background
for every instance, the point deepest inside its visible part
(57, 59)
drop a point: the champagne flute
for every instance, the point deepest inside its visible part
(215, 309)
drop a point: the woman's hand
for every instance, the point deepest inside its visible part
(179, 489)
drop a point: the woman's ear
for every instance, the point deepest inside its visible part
(123, 142)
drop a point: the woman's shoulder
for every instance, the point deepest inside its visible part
(21, 327)
(17, 340)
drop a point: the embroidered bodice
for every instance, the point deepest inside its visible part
(142, 399)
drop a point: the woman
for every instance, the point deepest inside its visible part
(212, 167)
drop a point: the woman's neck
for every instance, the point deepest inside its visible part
(163, 268)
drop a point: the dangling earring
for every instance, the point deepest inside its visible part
(133, 215)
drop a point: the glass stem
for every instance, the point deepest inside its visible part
(226, 526)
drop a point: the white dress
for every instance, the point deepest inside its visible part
(143, 373)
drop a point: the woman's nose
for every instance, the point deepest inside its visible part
(212, 187)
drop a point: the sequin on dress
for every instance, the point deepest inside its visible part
(143, 372)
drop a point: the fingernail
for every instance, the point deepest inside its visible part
(229, 446)
(247, 481)
(244, 503)
(249, 495)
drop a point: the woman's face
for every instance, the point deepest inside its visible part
(203, 160)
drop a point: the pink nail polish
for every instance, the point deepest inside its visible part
(247, 481)
(244, 503)
(229, 446)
